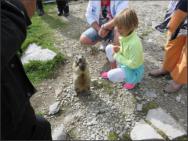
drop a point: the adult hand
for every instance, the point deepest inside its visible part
(116, 49)
(30, 6)
(103, 32)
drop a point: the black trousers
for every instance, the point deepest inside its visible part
(26, 126)
(62, 6)
(42, 130)
(39, 4)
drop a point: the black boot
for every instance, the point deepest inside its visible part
(66, 8)
(59, 7)
(39, 6)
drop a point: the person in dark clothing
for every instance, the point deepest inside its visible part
(62, 6)
(39, 6)
(18, 119)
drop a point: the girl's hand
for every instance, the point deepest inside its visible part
(116, 49)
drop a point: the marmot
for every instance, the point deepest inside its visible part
(81, 76)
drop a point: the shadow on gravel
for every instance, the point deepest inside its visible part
(61, 24)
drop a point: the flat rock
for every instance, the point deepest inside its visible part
(143, 131)
(36, 53)
(166, 123)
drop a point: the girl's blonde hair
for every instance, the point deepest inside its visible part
(126, 19)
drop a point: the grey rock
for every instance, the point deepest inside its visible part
(54, 108)
(178, 98)
(143, 131)
(37, 53)
(139, 107)
(166, 123)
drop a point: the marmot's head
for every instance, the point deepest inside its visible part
(80, 62)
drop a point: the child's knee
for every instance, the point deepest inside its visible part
(116, 76)
(109, 48)
(109, 52)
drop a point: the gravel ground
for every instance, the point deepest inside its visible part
(109, 108)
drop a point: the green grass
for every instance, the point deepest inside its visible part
(37, 70)
(126, 137)
(148, 106)
(42, 33)
(40, 113)
(113, 136)
(182, 138)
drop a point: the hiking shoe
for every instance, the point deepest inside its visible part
(104, 75)
(128, 86)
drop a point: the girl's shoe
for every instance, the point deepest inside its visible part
(128, 86)
(104, 75)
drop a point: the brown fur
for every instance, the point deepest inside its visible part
(81, 77)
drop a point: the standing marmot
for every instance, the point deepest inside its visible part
(81, 77)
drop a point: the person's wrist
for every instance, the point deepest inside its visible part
(105, 28)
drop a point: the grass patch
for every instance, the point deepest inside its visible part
(148, 106)
(126, 137)
(37, 70)
(113, 136)
(106, 85)
(40, 113)
(42, 32)
(72, 134)
(182, 138)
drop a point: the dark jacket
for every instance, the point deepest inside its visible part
(17, 116)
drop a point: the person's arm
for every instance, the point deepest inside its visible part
(109, 25)
(91, 8)
(121, 5)
(96, 26)
(106, 28)
(177, 18)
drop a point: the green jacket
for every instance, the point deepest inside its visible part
(131, 51)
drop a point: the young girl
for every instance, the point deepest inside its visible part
(129, 55)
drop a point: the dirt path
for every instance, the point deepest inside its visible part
(109, 108)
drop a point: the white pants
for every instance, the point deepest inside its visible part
(117, 74)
